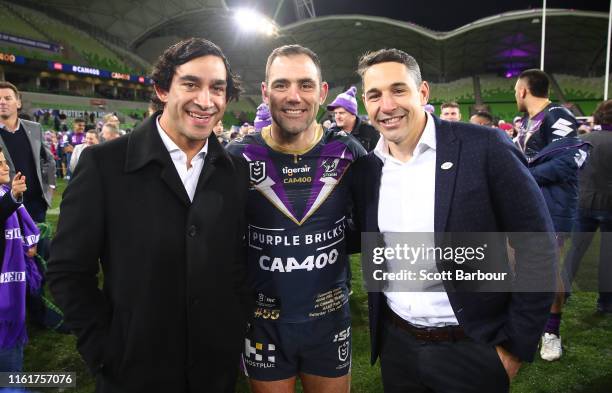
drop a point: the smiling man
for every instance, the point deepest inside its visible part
(433, 176)
(167, 230)
(297, 217)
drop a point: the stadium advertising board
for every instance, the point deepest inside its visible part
(30, 42)
(83, 70)
(11, 58)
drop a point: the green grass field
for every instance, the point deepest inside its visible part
(586, 365)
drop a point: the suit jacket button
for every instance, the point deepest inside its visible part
(192, 231)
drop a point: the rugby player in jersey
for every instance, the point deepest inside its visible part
(548, 137)
(297, 213)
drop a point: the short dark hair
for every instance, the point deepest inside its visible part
(603, 113)
(390, 55)
(484, 115)
(78, 120)
(537, 82)
(183, 52)
(9, 85)
(450, 104)
(293, 50)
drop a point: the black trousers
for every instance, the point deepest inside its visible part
(413, 366)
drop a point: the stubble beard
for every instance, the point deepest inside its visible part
(291, 130)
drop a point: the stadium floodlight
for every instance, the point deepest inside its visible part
(251, 21)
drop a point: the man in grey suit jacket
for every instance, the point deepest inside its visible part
(24, 149)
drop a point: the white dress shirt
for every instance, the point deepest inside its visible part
(406, 204)
(189, 174)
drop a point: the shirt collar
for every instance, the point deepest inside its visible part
(4, 127)
(173, 147)
(427, 141)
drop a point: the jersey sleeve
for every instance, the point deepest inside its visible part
(559, 123)
(237, 146)
(350, 141)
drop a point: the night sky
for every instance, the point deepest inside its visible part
(435, 15)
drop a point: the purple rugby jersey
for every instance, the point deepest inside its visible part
(297, 218)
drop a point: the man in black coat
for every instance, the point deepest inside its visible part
(162, 212)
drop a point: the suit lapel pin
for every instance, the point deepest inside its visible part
(446, 165)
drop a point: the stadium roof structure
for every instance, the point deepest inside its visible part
(501, 44)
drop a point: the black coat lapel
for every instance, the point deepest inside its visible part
(215, 156)
(171, 177)
(145, 146)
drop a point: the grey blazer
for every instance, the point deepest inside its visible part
(43, 159)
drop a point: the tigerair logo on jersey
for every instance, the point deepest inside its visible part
(257, 171)
(254, 355)
(290, 172)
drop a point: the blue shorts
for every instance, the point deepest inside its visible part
(276, 350)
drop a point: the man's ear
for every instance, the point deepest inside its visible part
(424, 92)
(264, 93)
(161, 94)
(324, 91)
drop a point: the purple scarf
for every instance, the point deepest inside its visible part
(606, 127)
(17, 270)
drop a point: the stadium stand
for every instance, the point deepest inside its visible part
(460, 90)
(581, 88)
(496, 89)
(15, 25)
(78, 45)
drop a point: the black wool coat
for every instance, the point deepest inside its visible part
(174, 304)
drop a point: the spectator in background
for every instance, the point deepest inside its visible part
(429, 108)
(548, 138)
(56, 120)
(73, 139)
(595, 208)
(584, 128)
(24, 148)
(37, 114)
(62, 122)
(482, 119)
(262, 117)
(17, 269)
(327, 124)
(56, 151)
(91, 138)
(244, 129)
(347, 119)
(507, 128)
(218, 130)
(113, 119)
(109, 132)
(450, 111)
